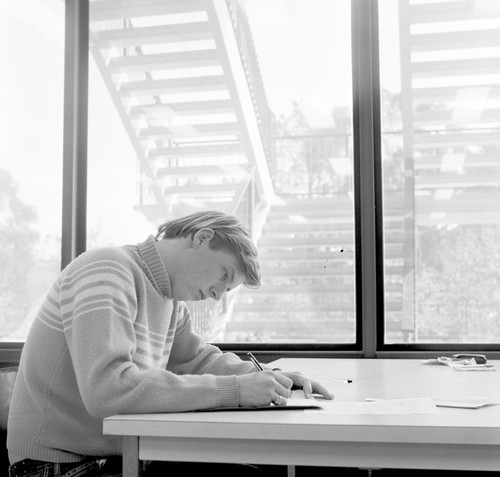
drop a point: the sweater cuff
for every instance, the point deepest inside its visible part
(228, 391)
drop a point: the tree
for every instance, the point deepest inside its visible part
(17, 238)
(306, 158)
(303, 154)
(458, 282)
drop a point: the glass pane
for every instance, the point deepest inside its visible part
(441, 168)
(31, 89)
(242, 107)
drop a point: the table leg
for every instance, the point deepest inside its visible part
(131, 456)
(290, 470)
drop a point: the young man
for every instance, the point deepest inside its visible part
(115, 336)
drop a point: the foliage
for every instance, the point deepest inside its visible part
(17, 239)
(312, 162)
(457, 282)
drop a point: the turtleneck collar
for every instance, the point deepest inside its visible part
(151, 256)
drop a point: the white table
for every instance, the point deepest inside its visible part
(460, 439)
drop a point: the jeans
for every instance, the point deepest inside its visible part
(86, 468)
(112, 467)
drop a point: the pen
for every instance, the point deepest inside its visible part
(255, 362)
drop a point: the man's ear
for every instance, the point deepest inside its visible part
(202, 237)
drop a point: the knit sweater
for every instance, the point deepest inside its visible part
(110, 339)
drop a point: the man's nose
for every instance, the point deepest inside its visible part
(217, 292)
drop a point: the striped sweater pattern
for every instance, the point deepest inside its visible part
(109, 339)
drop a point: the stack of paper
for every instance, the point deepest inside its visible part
(461, 364)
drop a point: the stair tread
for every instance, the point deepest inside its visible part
(171, 110)
(164, 61)
(199, 150)
(113, 9)
(198, 130)
(150, 35)
(174, 86)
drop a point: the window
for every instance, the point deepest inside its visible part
(440, 72)
(31, 89)
(356, 139)
(223, 107)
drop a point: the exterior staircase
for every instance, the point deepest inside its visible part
(191, 100)
(308, 292)
(449, 70)
(308, 285)
(450, 98)
(185, 80)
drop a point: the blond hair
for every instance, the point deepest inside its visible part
(229, 234)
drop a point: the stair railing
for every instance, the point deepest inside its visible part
(250, 63)
(209, 317)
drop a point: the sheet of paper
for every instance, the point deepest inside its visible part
(296, 401)
(464, 402)
(381, 406)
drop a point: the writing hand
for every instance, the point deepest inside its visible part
(263, 388)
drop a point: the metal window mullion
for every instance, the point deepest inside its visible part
(367, 163)
(74, 188)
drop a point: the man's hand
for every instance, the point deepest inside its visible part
(263, 388)
(307, 385)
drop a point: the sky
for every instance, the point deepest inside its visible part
(304, 49)
(31, 91)
(31, 145)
